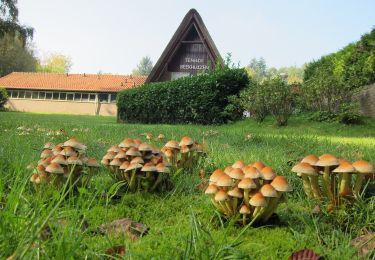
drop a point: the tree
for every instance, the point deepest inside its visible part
(15, 57)
(257, 69)
(144, 67)
(55, 63)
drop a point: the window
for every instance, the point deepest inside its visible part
(62, 96)
(21, 94)
(77, 96)
(13, 93)
(92, 97)
(113, 98)
(34, 95)
(103, 98)
(85, 97)
(28, 94)
(55, 95)
(42, 95)
(70, 96)
(48, 95)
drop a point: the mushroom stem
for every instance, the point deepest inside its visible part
(229, 208)
(328, 184)
(244, 219)
(307, 186)
(217, 205)
(358, 184)
(234, 205)
(315, 187)
(345, 185)
(132, 180)
(157, 182)
(246, 197)
(274, 202)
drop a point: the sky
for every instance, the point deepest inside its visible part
(112, 36)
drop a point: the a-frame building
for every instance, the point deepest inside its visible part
(191, 50)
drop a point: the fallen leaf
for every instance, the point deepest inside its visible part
(365, 244)
(304, 254)
(316, 210)
(116, 250)
(132, 230)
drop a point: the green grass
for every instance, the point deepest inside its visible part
(182, 222)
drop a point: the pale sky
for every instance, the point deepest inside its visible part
(113, 35)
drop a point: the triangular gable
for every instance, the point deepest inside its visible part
(190, 51)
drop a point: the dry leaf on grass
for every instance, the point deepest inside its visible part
(116, 250)
(365, 244)
(304, 254)
(132, 230)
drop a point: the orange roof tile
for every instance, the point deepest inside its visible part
(70, 82)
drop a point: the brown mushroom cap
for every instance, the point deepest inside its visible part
(92, 162)
(45, 162)
(224, 181)
(310, 159)
(172, 144)
(259, 165)
(169, 153)
(258, 200)
(235, 192)
(124, 165)
(74, 160)
(304, 168)
(105, 162)
(221, 195)
(127, 143)
(60, 159)
(34, 177)
(251, 172)
(228, 169)
(148, 167)
(161, 137)
(216, 175)
(109, 156)
(134, 166)
(281, 184)
(68, 151)
(185, 149)
(57, 149)
(244, 210)
(186, 140)
(344, 167)
(327, 160)
(55, 168)
(268, 190)
(114, 148)
(116, 162)
(363, 166)
(236, 174)
(120, 155)
(161, 167)
(268, 173)
(137, 160)
(238, 164)
(133, 151)
(211, 189)
(48, 145)
(144, 147)
(46, 154)
(247, 183)
(137, 142)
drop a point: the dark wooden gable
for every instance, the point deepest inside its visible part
(191, 50)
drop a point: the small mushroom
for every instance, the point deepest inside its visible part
(244, 211)
(309, 178)
(363, 167)
(344, 169)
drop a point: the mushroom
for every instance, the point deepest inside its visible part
(344, 169)
(244, 210)
(211, 191)
(148, 168)
(309, 178)
(161, 137)
(327, 161)
(215, 176)
(222, 198)
(236, 194)
(363, 167)
(49, 146)
(236, 174)
(259, 165)
(133, 167)
(224, 181)
(246, 184)
(259, 202)
(267, 174)
(127, 143)
(68, 151)
(269, 192)
(238, 164)
(161, 169)
(46, 154)
(252, 173)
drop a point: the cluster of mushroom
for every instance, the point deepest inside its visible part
(140, 165)
(327, 176)
(62, 162)
(184, 154)
(253, 191)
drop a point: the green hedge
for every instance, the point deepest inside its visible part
(198, 99)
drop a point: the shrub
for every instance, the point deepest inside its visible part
(349, 115)
(3, 97)
(198, 99)
(253, 99)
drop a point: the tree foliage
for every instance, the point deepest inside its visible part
(55, 63)
(3, 97)
(144, 67)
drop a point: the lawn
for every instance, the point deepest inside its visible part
(182, 222)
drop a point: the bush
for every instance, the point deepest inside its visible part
(323, 116)
(3, 97)
(349, 115)
(198, 99)
(253, 99)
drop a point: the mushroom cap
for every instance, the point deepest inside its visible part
(247, 183)
(310, 159)
(144, 147)
(228, 169)
(105, 162)
(137, 160)
(40, 169)
(114, 148)
(109, 156)
(124, 165)
(48, 145)
(224, 181)
(244, 210)
(60, 159)
(161, 137)
(198, 148)
(55, 168)
(34, 177)
(344, 167)
(186, 140)
(149, 136)
(116, 162)
(68, 151)
(327, 160)
(238, 164)
(127, 143)
(251, 172)
(137, 142)
(363, 166)
(148, 167)
(304, 168)
(74, 143)
(216, 175)
(74, 160)
(235, 192)
(169, 153)
(92, 162)
(46, 153)
(172, 144)
(221, 195)
(259, 165)
(236, 173)
(268, 173)
(120, 155)
(258, 200)
(57, 149)
(268, 190)
(134, 166)
(281, 184)
(211, 189)
(161, 167)
(185, 149)
(133, 151)
(45, 162)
